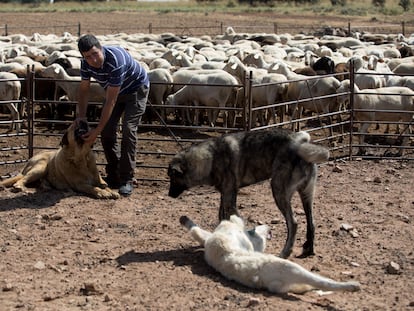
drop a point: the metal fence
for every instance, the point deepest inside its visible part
(215, 28)
(162, 137)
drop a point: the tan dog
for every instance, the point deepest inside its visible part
(72, 166)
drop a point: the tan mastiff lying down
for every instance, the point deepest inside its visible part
(72, 166)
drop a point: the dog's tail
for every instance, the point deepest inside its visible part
(196, 232)
(307, 151)
(8, 182)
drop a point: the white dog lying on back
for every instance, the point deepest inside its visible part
(237, 254)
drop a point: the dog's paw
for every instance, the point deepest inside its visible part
(107, 193)
(103, 185)
(17, 188)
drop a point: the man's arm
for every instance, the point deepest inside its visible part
(110, 101)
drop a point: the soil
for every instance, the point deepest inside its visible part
(66, 251)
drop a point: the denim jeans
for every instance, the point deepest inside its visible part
(121, 159)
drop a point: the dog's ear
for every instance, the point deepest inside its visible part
(175, 170)
(64, 141)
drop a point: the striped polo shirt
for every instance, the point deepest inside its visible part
(119, 69)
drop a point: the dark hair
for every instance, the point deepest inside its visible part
(86, 42)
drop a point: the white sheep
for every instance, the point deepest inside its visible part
(397, 100)
(404, 68)
(211, 90)
(271, 89)
(161, 86)
(70, 84)
(366, 78)
(10, 89)
(319, 88)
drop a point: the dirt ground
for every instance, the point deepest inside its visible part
(65, 251)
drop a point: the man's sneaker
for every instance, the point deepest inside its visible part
(126, 189)
(113, 183)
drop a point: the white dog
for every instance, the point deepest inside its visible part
(237, 254)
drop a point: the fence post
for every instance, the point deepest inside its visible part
(249, 83)
(150, 28)
(221, 28)
(351, 105)
(6, 31)
(275, 28)
(349, 29)
(403, 28)
(79, 29)
(30, 108)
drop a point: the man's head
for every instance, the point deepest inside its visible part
(91, 50)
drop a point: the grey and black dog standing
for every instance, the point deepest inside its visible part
(240, 159)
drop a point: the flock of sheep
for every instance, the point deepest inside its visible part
(310, 72)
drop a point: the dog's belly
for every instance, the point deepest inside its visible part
(252, 176)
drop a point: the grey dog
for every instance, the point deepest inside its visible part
(240, 159)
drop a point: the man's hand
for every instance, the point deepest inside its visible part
(77, 120)
(91, 136)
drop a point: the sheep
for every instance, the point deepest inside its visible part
(296, 81)
(161, 86)
(160, 63)
(324, 86)
(70, 84)
(183, 76)
(210, 93)
(272, 88)
(177, 58)
(394, 62)
(255, 60)
(366, 78)
(307, 71)
(10, 89)
(235, 67)
(324, 65)
(404, 68)
(264, 95)
(377, 105)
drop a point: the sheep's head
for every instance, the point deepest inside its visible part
(51, 71)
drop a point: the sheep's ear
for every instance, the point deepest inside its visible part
(64, 141)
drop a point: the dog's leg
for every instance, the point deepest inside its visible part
(93, 168)
(198, 234)
(35, 173)
(228, 204)
(282, 190)
(306, 195)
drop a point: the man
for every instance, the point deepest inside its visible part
(126, 86)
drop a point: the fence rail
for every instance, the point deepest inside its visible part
(214, 29)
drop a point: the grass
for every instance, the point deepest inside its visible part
(324, 7)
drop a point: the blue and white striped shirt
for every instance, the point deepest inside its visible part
(119, 69)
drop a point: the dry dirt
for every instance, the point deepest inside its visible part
(65, 251)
